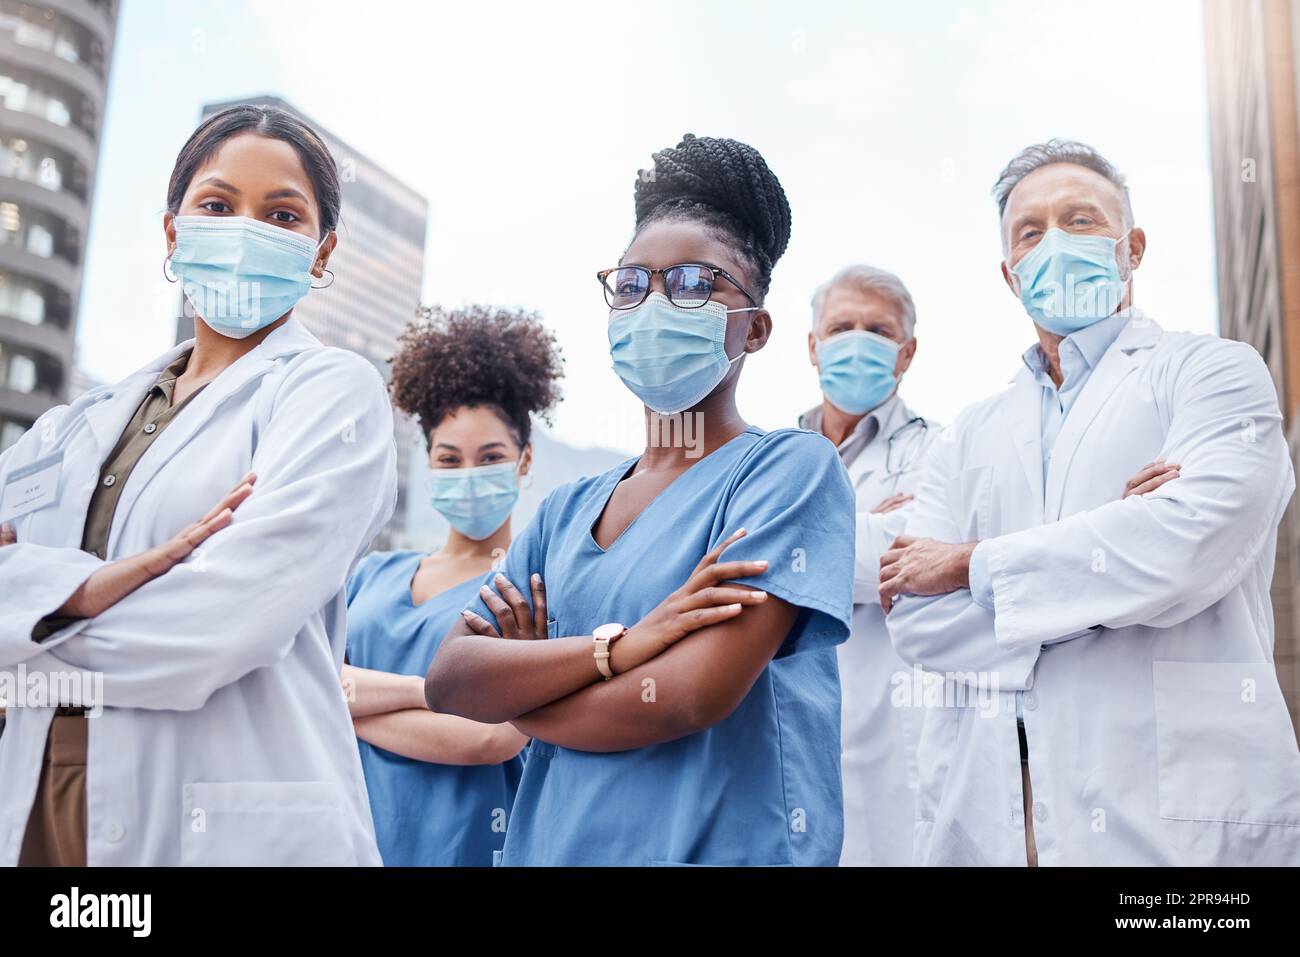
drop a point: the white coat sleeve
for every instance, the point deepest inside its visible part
(951, 634)
(35, 580)
(326, 483)
(1159, 559)
(875, 533)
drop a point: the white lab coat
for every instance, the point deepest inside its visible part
(225, 736)
(878, 737)
(1159, 734)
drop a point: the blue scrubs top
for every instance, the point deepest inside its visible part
(762, 787)
(425, 814)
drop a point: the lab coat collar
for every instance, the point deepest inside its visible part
(1118, 362)
(108, 410)
(1091, 341)
(1139, 332)
(865, 445)
(289, 339)
(890, 416)
(1026, 429)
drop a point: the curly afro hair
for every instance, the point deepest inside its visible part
(502, 359)
(726, 186)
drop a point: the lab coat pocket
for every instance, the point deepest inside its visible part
(265, 823)
(1225, 749)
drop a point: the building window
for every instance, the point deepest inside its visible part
(11, 432)
(21, 300)
(50, 33)
(20, 373)
(33, 231)
(31, 162)
(25, 98)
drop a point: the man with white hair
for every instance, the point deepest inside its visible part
(1119, 621)
(861, 343)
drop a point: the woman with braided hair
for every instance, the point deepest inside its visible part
(687, 708)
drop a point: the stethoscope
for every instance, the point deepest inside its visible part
(903, 456)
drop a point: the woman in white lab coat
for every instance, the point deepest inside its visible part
(217, 731)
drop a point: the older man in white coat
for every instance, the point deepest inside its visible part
(1126, 639)
(861, 343)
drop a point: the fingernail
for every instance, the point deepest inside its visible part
(761, 561)
(484, 590)
(760, 595)
(537, 579)
(733, 607)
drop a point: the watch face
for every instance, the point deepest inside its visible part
(609, 631)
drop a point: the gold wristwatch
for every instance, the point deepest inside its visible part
(601, 639)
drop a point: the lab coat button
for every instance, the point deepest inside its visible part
(110, 481)
(1029, 700)
(150, 429)
(1040, 812)
(114, 831)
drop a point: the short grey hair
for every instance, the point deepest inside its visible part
(1058, 151)
(865, 278)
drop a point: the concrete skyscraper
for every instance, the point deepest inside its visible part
(54, 66)
(1252, 49)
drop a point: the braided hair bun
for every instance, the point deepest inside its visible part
(725, 185)
(477, 356)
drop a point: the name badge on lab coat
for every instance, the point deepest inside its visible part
(31, 487)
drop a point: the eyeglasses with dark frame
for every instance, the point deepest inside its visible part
(688, 285)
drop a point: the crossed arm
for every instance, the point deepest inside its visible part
(664, 687)
(1168, 556)
(389, 711)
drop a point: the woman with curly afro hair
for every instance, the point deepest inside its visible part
(440, 785)
(687, 708)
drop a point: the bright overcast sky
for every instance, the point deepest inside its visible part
(524, 124)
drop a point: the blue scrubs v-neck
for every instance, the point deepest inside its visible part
(762, 786)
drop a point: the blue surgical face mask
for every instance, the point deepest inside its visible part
(1069, 281)
(670, 357)
(238, 274)
(476, 501)
(857, 369)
